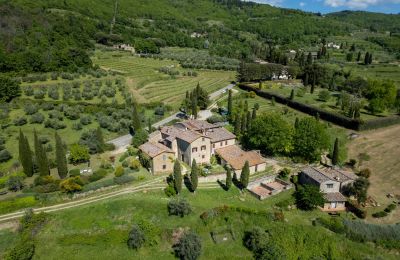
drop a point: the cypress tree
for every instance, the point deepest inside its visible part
(230, 103)
(245, 175)
(228, 181)
(25, 154)
(273, 101)
(41, 157)
(305, 81)
(194, 178)
(335, 154)
(309, 59)
(292, 94)
(246, 106)
(366, 58)
(61, 158)
(370, 58)
(254, 115)
(100, 138)
(137, 125)
(177, 177)
(359, 56)
(248, 120)
(194, 105)
(243, 124)
(238, 127)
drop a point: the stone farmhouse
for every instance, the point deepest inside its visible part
(199, 140)
(331, 182)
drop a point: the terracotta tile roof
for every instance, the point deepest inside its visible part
(219, 134)
(172, 132)
(197, 125)
(154, 149)
(334, 197)
(236, 157)
(325, 174)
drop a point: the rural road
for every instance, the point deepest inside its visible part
(155, 184)
(125, 140)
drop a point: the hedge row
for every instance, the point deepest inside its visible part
(338, 119)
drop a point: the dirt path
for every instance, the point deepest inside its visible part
(382, 146)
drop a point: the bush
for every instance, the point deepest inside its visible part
(78, 154)
(5, 156)
(334, 224)
(37, 118)
(123, 179)
(188, 247)
(119, 171)
(31, 109)
(366, 173)
(134, 164)
(97, 175)
(284, 173)
(179, 207)
(170, 190)
(136, 238)
(23, 250)
(15, 183)
(380, 214)
(324, 95)
(71, 184)
(86, 120)
(74, 172)
(20, 121)
(216, 119)
(54, 124)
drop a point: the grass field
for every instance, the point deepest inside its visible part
(382, 149)
(99, 231)
(149, 85)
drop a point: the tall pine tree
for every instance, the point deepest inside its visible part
(61, 158)
(41, 157)
(245, 175)
(335, 154)
(177, 177)
(230, 104)
(194, 176)
(25, 154)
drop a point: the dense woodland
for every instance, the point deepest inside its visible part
(58, 35)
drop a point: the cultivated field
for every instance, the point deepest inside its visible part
(379, 150)
(149, 85)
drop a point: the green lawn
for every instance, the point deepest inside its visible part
(99, 231)
(149, 85)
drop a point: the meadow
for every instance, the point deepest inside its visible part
(148, 84)
(100, 230)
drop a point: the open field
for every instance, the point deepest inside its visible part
(100, 230)
(382, 148)
(149, 85)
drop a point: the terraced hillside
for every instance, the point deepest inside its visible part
(149, 85)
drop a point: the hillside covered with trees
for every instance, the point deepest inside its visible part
(38, 36)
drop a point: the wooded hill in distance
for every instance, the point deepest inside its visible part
(49, 35)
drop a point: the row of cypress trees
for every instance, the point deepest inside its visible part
(38, 162)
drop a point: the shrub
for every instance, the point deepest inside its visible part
(78, 154)
(284, 173)
(136, 238)
(28, 91)
(119, 171)
(324, 95)
(15, 183)
(23, 250)
(16, 204)
(170, 190)
(380, 214)
(123, 179)
(366, 173)
(97, 175)
(134, 164)
(216, 119)
(77, 126)
(74, 172)
(55, 124)
(188, 247)
(39, 94)
(20, 121)
(179, 207)
(5, 156)
(37, 118)
(334, 224)
(86, 120)
(30, 109)
(71, 184)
